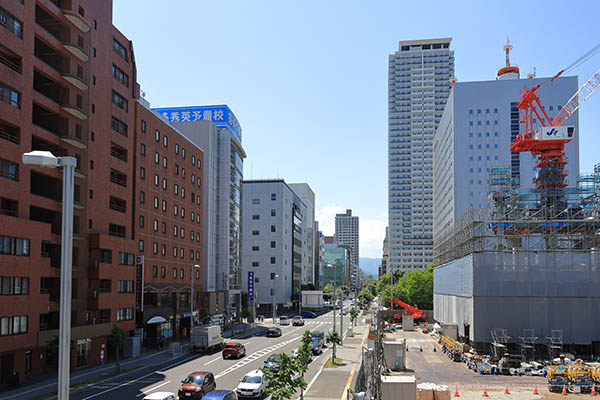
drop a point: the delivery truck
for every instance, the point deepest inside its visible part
(206, 338)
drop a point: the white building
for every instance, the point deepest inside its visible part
(216, 130)
(305, 193)
(418, 86)
(274, 226)
(479, 123)
(347, 234)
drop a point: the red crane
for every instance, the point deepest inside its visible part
(408, 309)
(548, 142)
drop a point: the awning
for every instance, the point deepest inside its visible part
(156, 320)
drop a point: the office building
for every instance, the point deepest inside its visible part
(168, 225)
(319, 252)
(419, 79)
(307, 196)
(67, 85)
(336, 265)
(274, 227)
(347, 235)
(479, 123)
(216, 130)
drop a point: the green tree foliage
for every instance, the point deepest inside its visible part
(365, 297)
(353, 314)
(328, 288)
(334, 338)
(284, 383)
(303, 356)
(115, 341)
(413, 287)
(204, 316)
(343, 289)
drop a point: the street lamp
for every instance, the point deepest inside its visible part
(192, 299)
(46, 159)
(273, 277)
(334, 294)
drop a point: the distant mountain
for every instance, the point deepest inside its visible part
(370, 266)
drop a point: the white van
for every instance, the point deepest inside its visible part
(161, 396)
(283, 320)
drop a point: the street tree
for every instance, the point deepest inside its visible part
(334, 338)
(204, 316)
(353, 315)
(284, 383)
(115, 341)
(303, 356)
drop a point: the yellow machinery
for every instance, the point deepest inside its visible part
(452, 348)
(580, 378)
(596, 374)
(558, 376)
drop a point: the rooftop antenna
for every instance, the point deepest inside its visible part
(532, 74)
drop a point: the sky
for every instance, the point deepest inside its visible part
(307, 79)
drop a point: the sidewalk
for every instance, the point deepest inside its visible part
(333, 383)
(44, 384)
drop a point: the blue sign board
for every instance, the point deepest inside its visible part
(221, 116)
(250, 288)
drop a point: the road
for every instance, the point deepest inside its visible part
(168, 377)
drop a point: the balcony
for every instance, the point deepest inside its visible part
(117, 204)
(72, 73)
(10, 132)
(76, 46)
(11, 60)
(118, 177)
(76, 17)
(9, 207)
(72, 42)
(52, 251)
(71, 103)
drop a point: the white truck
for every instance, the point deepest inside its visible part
(206, 338)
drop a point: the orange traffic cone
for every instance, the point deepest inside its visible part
(456, 392)
(564, 391)
(535, 391)
(593, 390)
(485, 393)
(506, 391)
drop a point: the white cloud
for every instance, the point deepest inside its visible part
(371, 235)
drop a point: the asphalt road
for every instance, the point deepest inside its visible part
(168, 377)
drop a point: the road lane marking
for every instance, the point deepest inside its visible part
(213, 360)
(154, 388)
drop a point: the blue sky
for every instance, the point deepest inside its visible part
(308, 79)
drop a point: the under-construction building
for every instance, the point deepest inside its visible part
(527, 271)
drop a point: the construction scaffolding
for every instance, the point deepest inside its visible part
(523, 220)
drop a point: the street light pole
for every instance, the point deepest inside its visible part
(68, 164)
(192, 299)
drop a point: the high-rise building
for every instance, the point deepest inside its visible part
(305, 193)
(274, 229)
(319, 252)
(347, 235)
(386, 254)
(216, 130)
(479, 123)
(419, 80)
(336, 263)
(67, 85)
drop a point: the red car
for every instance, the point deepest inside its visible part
(196, 385)
(234, 350)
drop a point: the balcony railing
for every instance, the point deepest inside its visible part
(117, 207)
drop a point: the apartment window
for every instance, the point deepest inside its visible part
(164, 205)
(154, 271)
(174, 273)
(164, 185)
(164, 228)
(94, 80)
(183, 153)
(197, 236)
(143, 149)
(182, 212)
(176, 148)
(165, 141)
(155, 248)
(175, 210)
(254, 201)
(176, 189)
(141, 221)
(273, 260)
(9, 95)
(122, 77)
(273, 213)
(119, 49)
(14, 246)
(255, 233)
(125, 314)
(273, 244)
(119, 101)
(155, 202)
(175, 230)
(11, 23)
(175, 250)
(163, 249)
(13, 325)
(256, 216)
(255, 248)
(163, 272)
(144, 126)
(183, 193)
(155, 225)
(9, 169)
(199, 163)
(176, 169)
(164, 162)
(156, 179)
(156, 158)
(157, 136)
(273, 196)
(124, 286)
(255, 263)
(116, 230)
(273, 228)
(141, 245)
(14, 286)
(119, 126)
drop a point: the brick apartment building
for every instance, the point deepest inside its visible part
(68, 85)
(168, 215)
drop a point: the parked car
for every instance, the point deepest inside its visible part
(273, 362)
(316, 346)
(234, 350)
(161, 396)
(273, 332)
(295, 354)
(318, 335)
(283, 320)
(220, 395)
(297, 321)
(308, 314)
(253, 384)
(196, 385)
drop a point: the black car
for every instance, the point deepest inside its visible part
(316, 347)
(273, 363)
(273, 332)
(318, 336)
